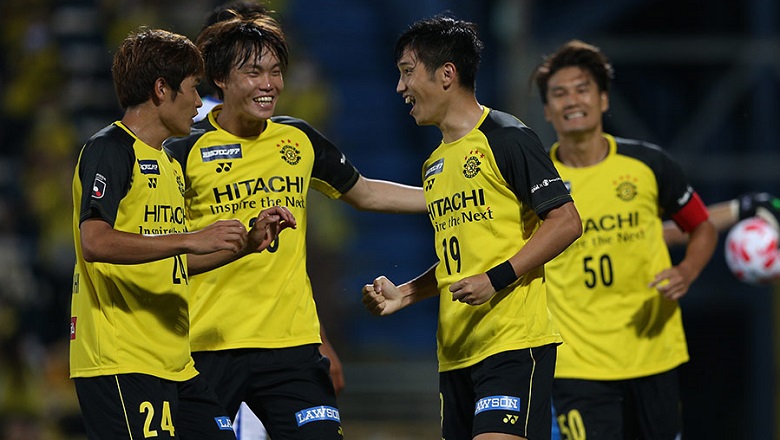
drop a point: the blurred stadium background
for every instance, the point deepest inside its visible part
(700, 78)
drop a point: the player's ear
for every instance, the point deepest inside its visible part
(604, 101)
(449, 73)
(160, 90)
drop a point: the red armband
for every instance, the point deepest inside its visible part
(692, 214)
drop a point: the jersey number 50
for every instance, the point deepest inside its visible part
(597, 271)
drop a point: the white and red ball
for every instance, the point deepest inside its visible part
(752, 254)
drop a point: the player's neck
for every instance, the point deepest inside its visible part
(461, 117)
(583, 150)
(146, 126)
(235, 124)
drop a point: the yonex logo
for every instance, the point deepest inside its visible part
(317, 414)
(224, 166)
(149, 166)
(221, 152)
(497, 403)
(152, 182)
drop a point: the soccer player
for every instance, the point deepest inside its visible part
(255, 330)
(614, 293)
(499, 211)
(129, 354)
(246, 424)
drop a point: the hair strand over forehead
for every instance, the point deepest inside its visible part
(234, 42)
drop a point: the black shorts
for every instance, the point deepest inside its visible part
(133, 406)
(647, 407)
(289, 389)
(506, 393)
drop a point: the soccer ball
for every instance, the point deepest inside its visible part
(751, 251)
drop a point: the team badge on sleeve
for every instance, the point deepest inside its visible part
(99, 187)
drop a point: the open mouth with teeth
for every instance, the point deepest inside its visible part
(264, 99)
(573, 115)
(409, 100)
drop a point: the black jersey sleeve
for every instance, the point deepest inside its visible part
(331, 166)
(527, 168)
(105, 170)
(674, 190)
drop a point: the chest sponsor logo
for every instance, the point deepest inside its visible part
(434, 169)
(471, 167)
(99, 187)
(625, 187)
(149, 166)
(290, 153)
(317, 414)
(497, 403)
(221, 152)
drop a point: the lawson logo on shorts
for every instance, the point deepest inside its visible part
(149, 166)
(224, 423)
(317, 414)
(221, 152)
(497, 403)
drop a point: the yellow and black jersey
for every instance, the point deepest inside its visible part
(129, 318)
(486, 193)
(263, 300)
(613, 325)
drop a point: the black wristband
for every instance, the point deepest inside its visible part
(502, 275)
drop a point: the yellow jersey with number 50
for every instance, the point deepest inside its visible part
(615, 326)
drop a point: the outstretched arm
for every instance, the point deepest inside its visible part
(723, 215)
(560, 228)
(385, 196)
(382, 297)
(726, 214)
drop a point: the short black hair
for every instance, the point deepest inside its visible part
(443, 39)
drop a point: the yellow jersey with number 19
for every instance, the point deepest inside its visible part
(485, 194)
(129, 318)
